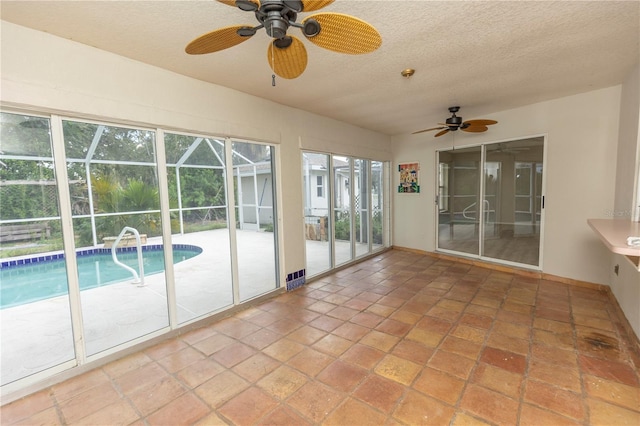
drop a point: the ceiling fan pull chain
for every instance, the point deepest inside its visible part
(273, 80)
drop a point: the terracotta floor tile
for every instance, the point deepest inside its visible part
(416, 408)
(413, 351)
(397, 369)
(491, 406)
(503, 359)
(261, 338)
(507, 343)
(221, 388)
(322, 307)
(379, 340)
(332, 345)
(465, 419)
(306, 335)
(427, 338)
(326, 323)
(398, 339)
(339, 299)
(121, 366)
(283, 326)
(351, 331)
(478, 321)
(248, 406)
(256, 367)
(434, 325)
(352, 412)
(462, 347)
(471, 334)
(26, 407)
(367, 319)
(498, 379)
(536, 416)
(283, 349)
(263, 319)
(380, 393)
(199, 372)
(213, 343)
(236, 328)
(88, 402)
(283, 416)
(553, 355)
(439, 385)
(186, 409)
(82, 383)
(363, 356)
(612, 370)
(406, 316)
(357, 304)
(310, 361)
(342, 376)
(451, 363)
(282, 382)
(153, 396)
(553, 314)
(165, 348)
(552, 398)
(118, 413)
(211, 419)
(343, 313)
(315, 401)
(48, 417)
(613, 392)
(382, 310)
(481, 310)
(180, 359)
(233, 354)
(553, 326)
(566, 378)
(603, 413)
(446, 314)
(514, 317)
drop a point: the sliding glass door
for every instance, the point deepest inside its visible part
(344, 209)
(490, 201)
(459, 199)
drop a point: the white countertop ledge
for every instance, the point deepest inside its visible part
(614, 234)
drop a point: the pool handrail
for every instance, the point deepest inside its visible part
(137, 279)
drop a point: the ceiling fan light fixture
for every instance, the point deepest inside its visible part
(311, 27)
(283, 43)
(246, 5)
(246, 31)
(295, 5)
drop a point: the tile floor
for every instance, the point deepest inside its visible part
(398, 339)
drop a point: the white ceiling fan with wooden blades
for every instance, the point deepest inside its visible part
(454, 123)
(286, 54)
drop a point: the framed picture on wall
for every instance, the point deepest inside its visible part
(409, 178)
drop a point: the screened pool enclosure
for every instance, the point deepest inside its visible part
(69, 188)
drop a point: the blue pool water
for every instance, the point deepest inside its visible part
(44, 277)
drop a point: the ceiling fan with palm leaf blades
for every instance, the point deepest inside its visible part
(454, 123)
(286, 54)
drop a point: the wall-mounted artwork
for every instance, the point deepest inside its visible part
(409, 178)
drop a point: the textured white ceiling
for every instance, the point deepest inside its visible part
(485, 56)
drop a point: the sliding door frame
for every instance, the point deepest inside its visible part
(481, 196)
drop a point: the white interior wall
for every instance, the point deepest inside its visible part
(50, 74)
(626, 284)
(582, 134)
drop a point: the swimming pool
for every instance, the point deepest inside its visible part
(29, 280)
